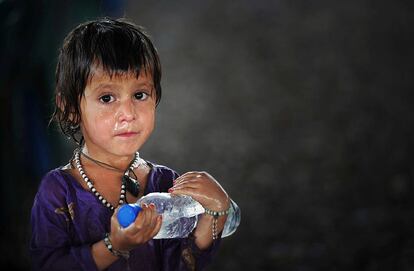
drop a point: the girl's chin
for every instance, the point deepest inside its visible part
(118, 149)
(126, 151)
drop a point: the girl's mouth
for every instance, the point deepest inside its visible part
(127, 134)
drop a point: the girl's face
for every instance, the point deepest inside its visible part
(117, 114)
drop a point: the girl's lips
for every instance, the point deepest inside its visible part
(127, 134)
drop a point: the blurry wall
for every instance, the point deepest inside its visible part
(301, 109)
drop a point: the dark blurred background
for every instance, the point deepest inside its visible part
(303, 110)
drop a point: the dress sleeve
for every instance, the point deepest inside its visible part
(51, 245)
(183, 254)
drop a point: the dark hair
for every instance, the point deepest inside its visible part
(117, 46)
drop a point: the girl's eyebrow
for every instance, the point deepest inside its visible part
(111, 85)
(144, 84)
(105, 85)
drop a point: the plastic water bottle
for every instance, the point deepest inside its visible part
(179, 214)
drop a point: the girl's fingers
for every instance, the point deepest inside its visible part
(153, 218)
(181, 179)
(208, 196)
(189, 191)
(193, 183)
(146, 225)
(188, 175)
(157, 226)
(150, 220)
(195, 177)
(138, 224)
(150, 213)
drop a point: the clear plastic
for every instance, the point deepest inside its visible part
(179, 214)
(233, 220)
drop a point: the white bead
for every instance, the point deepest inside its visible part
(93, 189)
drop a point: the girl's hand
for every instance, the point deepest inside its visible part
(202, 187)
(145, 227)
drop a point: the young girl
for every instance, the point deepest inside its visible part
(107, 89)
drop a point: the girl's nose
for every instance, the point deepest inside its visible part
(127, 111)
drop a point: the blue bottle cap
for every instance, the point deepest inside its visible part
(127, 214)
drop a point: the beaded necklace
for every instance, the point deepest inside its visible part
(127, 183)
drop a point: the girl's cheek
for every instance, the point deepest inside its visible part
(102, 121)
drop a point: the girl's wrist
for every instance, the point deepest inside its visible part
(221, 205)
(216, 215)
(119, 253)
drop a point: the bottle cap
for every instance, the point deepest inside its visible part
(127, 214)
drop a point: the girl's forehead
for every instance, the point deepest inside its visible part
(98, 74)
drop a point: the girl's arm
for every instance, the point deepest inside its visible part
(56, 245)
(206, 190)
(51, 247)
(146, 226)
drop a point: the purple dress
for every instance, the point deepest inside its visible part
(66, 220)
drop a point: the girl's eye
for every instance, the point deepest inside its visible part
(106, 99)
(141, 96)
